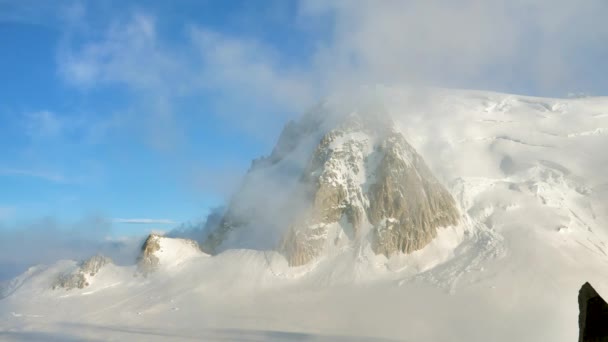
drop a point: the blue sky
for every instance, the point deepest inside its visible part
(72, 146)
(152, 110)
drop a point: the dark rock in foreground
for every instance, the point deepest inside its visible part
(593, 316)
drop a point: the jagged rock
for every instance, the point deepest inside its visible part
(94, 264)
(593, 315)
(79, 279)
(164, 251)
(360, 175)
(147, 261)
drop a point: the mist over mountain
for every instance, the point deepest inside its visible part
(318, 170)
(338, 176)
(443, 212)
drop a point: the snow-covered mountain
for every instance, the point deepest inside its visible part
(343, 177)
(529, 180)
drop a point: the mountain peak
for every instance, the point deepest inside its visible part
(339, 175)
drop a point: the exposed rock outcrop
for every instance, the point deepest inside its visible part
(593, 316)
(354, 174)
(160, 251)
(80, 278)
(407, 203)
(147, 262)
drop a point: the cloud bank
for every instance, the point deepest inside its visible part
(533, 47)
(143, 221)
(47, 240)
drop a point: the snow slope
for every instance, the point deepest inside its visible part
(529, 174)
(172, 253)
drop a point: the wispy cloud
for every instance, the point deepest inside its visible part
(6, 212)
(249, 67)
(238, 71)
(123, 55)
(129, 52)
(256, 83)
(43, 124)
(44, 175)
(49, 145)
(143, 221)
(472, 44)
(46, 126)
(43, 241)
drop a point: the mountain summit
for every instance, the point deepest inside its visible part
(338, 177)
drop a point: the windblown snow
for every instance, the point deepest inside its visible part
(530, 176)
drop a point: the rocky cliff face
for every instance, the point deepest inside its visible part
(147, 262)
(339, 179)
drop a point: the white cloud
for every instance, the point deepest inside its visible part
(127, 53)
(130, 52)
(45, 175)
(143, 221)
(543, 47)
(467, 43)
(160, 72)
(250, 68)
